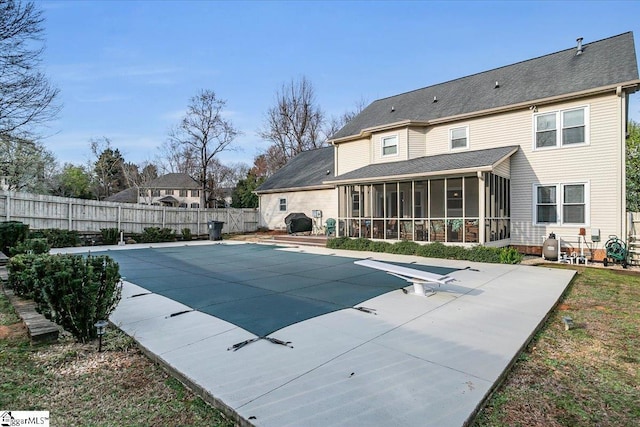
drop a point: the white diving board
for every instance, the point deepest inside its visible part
(418, 278)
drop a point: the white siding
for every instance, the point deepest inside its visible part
(352, 155)
(503, 169)
(403, 149)
(598, 163)
(297, 201)
(417, 142)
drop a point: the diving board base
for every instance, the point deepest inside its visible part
(416, 277)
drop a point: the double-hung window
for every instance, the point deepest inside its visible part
(459, 138)
(561, 128)
(564, 204)
(283, 205)
(390, 146)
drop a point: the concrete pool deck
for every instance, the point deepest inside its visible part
(409, 360)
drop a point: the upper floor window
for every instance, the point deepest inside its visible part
(183, 193)
(561, 204)
(283, 205)
(459, 138)
(155, 193)
(168, 192)
(195, 193)
(561, 128)
(390, 146)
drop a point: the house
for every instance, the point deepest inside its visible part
(299, 187)
(172, 189)
(502, 157)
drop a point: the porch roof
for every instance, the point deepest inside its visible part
(168, 199)
(441, 164)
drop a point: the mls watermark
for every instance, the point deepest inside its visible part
(24, 418)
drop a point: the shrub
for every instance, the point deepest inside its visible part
(484, 254)
(405, 248)
(431, 250)
(57, 238)
(73, 291)
(157, 234)
(380, 246)
(21, 276)
(31, 246)
(510, 256)
(110, 235)
(12, 233)
(186, 234)
(338, 242)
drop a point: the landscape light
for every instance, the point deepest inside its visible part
(100, 328)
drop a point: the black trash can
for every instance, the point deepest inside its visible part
(215, 230)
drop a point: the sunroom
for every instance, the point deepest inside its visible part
(459, 198)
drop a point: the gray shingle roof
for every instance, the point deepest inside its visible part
(130, 195)
(602, 63)
(175, 181)
(430, 164)
(307, 169)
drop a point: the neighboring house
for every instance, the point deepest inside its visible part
(222, 197)
(502, 157)
(299, 187)
(172, 189)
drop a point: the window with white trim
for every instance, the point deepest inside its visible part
(564, 204)
(283, 205)
(459, 138)
(561, 128)
(390, 146)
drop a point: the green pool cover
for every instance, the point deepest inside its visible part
(256, 287)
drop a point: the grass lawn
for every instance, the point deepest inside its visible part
(587, 376)
(81, 387)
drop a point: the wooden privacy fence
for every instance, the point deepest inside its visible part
(85, 216)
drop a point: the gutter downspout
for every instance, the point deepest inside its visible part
(622, 94)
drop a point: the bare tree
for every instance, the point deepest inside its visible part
(26, 96)
(294, 124)
(139, 177)
(337, 123)
(202, 134)
(174, 157)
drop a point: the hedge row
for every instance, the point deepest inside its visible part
(432, 250)
(73, 291)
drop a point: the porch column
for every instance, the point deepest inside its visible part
(482, 207)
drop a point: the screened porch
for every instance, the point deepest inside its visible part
(457, 209)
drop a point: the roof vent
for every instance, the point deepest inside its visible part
(497, 85)
(435, 99)
(579, 50)
(393, 108)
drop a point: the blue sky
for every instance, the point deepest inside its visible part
(126, 69)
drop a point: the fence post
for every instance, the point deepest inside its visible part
(119, 218)
(70, 216)
(164, 217)
(8, 207)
